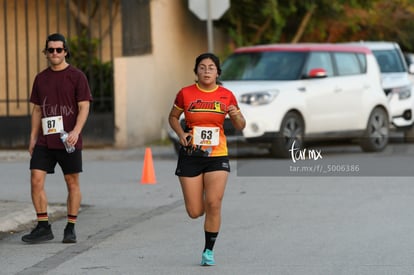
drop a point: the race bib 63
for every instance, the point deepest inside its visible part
(206, 136)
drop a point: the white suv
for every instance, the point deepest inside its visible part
(396, 82)
(289, 93)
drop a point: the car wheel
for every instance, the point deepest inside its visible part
(376, 134)
(290, 134)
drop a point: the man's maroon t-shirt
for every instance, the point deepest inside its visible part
(58, 93)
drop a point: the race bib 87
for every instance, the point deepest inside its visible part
(52, 125)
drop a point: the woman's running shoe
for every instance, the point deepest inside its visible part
(207, 258)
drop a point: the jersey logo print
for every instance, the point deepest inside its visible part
(207, 106)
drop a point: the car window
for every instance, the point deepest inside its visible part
(408, 59)
(263, 66)
(389, 61)
(347, 63)
(320, 60)
(362, 61)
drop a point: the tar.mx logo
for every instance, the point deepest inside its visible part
(303, 154)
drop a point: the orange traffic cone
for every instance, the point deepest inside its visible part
(148, 173)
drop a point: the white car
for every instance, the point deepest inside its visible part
(396, 81)
(409, 59)
(289, 93)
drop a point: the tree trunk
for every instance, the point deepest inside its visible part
(303, 24)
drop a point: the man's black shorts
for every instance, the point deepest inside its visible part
(190, 166)
(45, 159)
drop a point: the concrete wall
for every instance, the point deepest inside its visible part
(145, 86)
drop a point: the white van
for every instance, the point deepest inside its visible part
(396, 83)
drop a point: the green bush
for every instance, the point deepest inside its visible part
(84, 52)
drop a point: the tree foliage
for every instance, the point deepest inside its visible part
(251, 22)
(99, 74)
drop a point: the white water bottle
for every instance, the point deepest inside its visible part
(63, 137)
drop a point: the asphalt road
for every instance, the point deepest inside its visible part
(274, 224)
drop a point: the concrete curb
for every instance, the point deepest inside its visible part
(98, 154)
(23, 215)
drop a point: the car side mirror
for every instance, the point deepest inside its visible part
(317, 73)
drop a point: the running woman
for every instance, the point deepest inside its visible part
(203, 163)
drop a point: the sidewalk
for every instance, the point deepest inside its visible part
(16, 216)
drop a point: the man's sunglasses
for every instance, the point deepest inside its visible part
(52, 50)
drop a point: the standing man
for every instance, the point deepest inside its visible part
(61, 99)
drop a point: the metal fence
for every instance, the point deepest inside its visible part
(93, 29)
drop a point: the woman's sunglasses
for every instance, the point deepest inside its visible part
(52, 50)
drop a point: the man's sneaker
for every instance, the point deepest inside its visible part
(39, 234)
(207, 258)
(69, 235)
